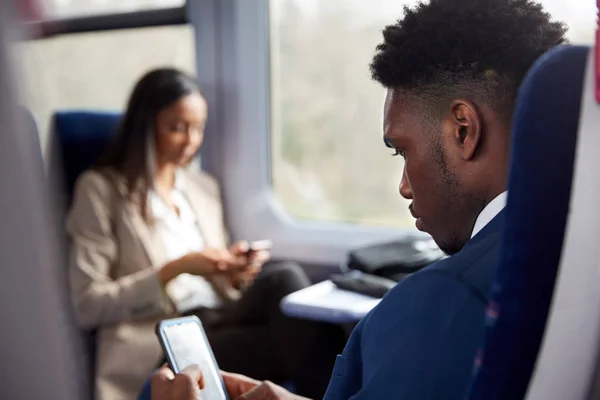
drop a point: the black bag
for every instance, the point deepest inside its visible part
(367, 284)
(394, 260)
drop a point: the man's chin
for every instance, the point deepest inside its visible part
(449, 247)
(420, 225)
(448, 243)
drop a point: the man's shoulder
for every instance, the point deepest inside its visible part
(475, 266)
(468, 273)
(421, 338)
(422, 288)
(432, 318)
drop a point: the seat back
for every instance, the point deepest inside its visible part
(38, 347)
(545, 295)
(81, 137)
(571, 345)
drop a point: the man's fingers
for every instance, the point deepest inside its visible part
(238, 384)
(266, 391)
(202, 382)
(160, 383)
(194, 373)
(164, 374)
(228, 376)
(187, 384)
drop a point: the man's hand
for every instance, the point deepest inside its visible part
(241, 387)
(184, 386)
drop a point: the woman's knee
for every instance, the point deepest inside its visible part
(288, 274)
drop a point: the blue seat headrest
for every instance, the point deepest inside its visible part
(544, 140)
(82, 138)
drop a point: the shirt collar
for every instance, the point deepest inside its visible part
(489, 212)
(159, 208)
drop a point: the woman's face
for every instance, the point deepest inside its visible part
(180, 130)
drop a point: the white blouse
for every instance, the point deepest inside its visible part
(180, 235)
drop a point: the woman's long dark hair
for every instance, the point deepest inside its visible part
(127, 152)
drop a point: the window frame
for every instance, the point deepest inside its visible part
(232, 45)
(113, 21)
(233, 50)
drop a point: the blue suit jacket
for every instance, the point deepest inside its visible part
(419, 343)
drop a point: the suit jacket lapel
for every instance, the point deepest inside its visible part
(149, 237)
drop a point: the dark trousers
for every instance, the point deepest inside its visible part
(254, 338)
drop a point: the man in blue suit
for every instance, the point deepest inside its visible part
(452, 70)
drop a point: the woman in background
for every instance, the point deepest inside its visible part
(149, 243)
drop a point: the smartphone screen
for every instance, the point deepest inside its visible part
(185, 344)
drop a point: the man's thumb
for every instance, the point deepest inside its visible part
(195, 374)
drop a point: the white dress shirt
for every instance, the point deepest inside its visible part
(180, 235)
(489, 212)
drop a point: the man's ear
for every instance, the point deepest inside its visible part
(467, 128)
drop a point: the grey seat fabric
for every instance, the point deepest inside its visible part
(40, 347)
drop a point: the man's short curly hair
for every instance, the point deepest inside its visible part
(475, 49)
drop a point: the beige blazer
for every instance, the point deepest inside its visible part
(113, 275)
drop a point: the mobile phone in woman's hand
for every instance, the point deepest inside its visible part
(259, 245)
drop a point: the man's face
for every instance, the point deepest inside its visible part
(440, 204)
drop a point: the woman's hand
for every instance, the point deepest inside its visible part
(208, 262)
(255, 261)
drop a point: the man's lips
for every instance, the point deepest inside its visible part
(419, 221)
(412, 211)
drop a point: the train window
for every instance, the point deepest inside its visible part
(328, 162)
(58, 9)
(97, 70)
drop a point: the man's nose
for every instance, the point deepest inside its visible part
(405, 190)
